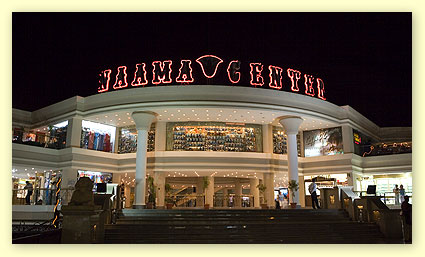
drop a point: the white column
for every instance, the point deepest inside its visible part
(267, 138)
(117, 140)
(238, 192)
(143, 122)
(269, 193)
(347, 139)
(73, 132)
(159, 180)
(160, 136)
(291, 125)
(209, 198)
(253, 182)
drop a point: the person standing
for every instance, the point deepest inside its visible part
(281, 199)
(396, 192)
(312, 189)
(29, 189)
(402, 193)
(406, 218)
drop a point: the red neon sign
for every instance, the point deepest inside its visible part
(139, 79)
(256, 69)
(161, 72)
(309, 80)
(104, 78)
(294, 74)
(320, 89)
(233, 71)
(209, 59)
(121, 79)
(275, 75)
(186, 77)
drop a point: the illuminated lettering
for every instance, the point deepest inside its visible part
(233, 71)
(294, 75)
(139, 76)
(320, 89)
(121, 79)
(161, 72)
(185, 72)
(256, 78)
(275, 77)
(209, 64)
(104, 78)
(309, 80)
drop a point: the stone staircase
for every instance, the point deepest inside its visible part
(298, 226)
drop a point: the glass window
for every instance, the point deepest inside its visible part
(225, 137)
(97, 136)
(279, 142)
(128, 139)
(53, 136)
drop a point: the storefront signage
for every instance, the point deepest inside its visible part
(161, 73)
(323, 142)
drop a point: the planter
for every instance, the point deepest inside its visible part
(206, 206)
(264, 206)
(169, 206)
(293, 205)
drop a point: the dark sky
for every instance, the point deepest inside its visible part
(364, 59)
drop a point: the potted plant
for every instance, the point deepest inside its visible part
(293, 187)
(206, 183)
(262, 188)
(168, 199)
(151, 193)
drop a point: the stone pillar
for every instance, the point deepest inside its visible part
(302, 190)
(160, 136)
(69, 177)
(127, 195)
(347, 139)
(269, 193)
(159, 180)
(225, 193)
(267, 138)
(73, 132)
(143, 122)
(238, 192)
(253, 182)
(200, 192)
(209, 197)
(291, 125)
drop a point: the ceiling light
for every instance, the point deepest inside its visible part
(165, 110)
(178, 110)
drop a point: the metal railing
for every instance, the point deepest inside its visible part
(234, 201)
(387, 198)
(41, 196)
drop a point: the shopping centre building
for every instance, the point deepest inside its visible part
(180, 135)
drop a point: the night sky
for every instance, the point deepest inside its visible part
(364, 59)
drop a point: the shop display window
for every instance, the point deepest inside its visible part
(215, 137)
(96, 136)
(48, 136)
(128, 139)
(322, 142)
(279, 142)
(96, 177)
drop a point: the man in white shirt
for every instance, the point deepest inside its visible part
(312, 189)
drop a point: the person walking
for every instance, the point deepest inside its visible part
(402, 193)
(406, 218)
(281, 200)
(312, 189)
(396, 192)
(29, 189)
